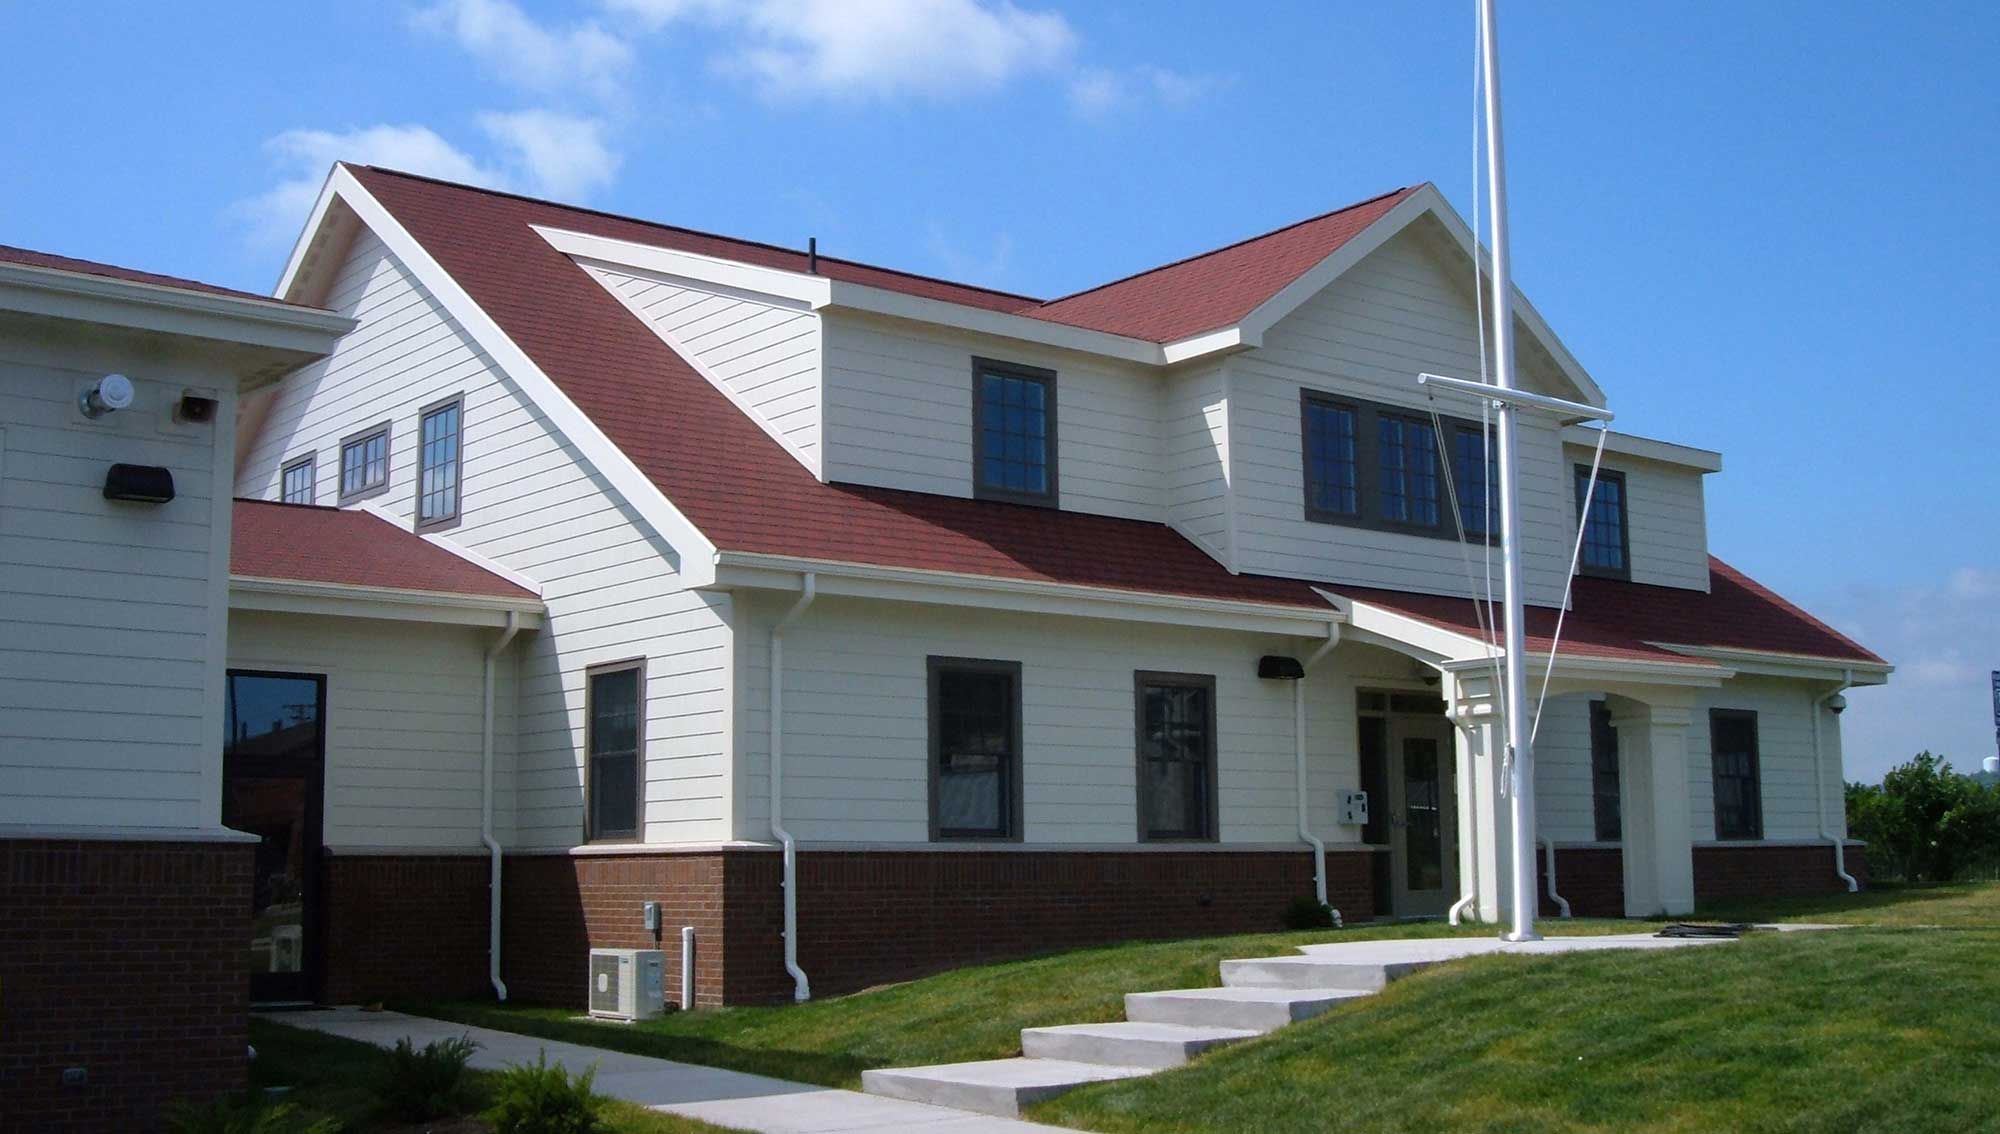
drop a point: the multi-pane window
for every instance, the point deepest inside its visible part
(614, 733)
(975, 749)
(1606, 550)
(1604, 774)
(1176, 728)
(296, 482)
(364, 463)
(438, 467)
(1739, 795)
(1408, 472)
(1014, 433)
(1333, 482)
(1476, 479)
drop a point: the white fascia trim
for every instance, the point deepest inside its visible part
(1315, 280)
(696, 553)
(1765, 663)
(1042, 332)
(1221, 341)
(904, 584)
(1408, 632)
(171, 310)
(490, 566)
(303, 244)
(72, 833)
(1631, 445)
(341, 600)
(792, 289)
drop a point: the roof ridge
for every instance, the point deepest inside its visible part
(630, 219)
(1188, 259)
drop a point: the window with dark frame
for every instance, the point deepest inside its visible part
(1013, 432)
(439, 464)
(1475, 474)
(1370, 465)
(1333, 481)
(975, 709)
(1604, 774)
(614, 736)
(1606, 545)
(296, 482)
(1176, 726)
(1407, 472)
(364, 463)
(1739, 795)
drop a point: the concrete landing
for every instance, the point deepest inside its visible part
(992, 1086)
(1127, 1043)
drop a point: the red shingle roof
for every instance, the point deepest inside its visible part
(353, 548)
(33, 259)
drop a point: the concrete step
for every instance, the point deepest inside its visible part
(1256, 1009)
(1314, 972)
(1130, 1043)
(991, 1086)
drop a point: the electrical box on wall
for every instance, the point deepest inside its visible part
(1354, 808)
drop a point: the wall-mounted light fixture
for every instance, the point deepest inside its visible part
(1280, 667)
(139, 484)
(106, 395)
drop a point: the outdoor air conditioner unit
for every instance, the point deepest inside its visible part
(627, 984)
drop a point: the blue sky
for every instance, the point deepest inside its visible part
(1767, 229)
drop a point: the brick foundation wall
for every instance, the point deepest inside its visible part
(1590, 879)
(127, 959)
(1750, 870)
(403, 926)
(558, 907)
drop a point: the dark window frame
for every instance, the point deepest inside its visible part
(935, 668)
(1368, 468)
(638, 832)
(1756, 778)
(1211, 813)
(981, 367)
(362, 437)
(1487, 503)
(440, 523)
(308, 462)
(1581, 477)
(1608, 818)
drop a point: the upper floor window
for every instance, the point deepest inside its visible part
(975, 749)
(1407, 451)
(364, 464)
(1176, 756)
(1606, 547)
(614, 734)
(1013, 432)
(439, 464)
(1476, 480)
(1739, 792)
(296, 482)
(1333, 474)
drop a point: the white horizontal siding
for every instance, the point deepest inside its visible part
(532, 502)
(1784, 756)
(766, 356)
(1394, 315)
(1666, 518)
(899, 415)
(1565, 792)
(109, 620)
(1195, 428)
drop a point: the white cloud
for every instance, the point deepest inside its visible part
(960, 263)
(509, 42)
(559, 155)
(1095, 92)
(304, 156)
(1944, 639)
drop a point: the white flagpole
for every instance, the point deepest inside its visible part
(1521, 779)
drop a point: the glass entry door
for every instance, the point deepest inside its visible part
(273, 768)
(1423, 817)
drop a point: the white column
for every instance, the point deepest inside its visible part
(1653, 806)
(1482, 810)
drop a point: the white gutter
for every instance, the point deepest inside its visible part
(1549, 855)
(486, 809)
(801, 989)
(1299, 739)
(1819, 785)
(1468, 790)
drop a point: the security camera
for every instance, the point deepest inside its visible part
(109, 393)
(1837, 703)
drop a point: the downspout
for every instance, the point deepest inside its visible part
(486, 808)
(1549, 856)
(801, 989)
(1819, 785)
(1469, 789)
(1299, 740)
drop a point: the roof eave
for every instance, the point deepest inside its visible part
(396, 604)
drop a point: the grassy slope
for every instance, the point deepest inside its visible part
(974, 1013)
(330, 1076)
(1878, 1029)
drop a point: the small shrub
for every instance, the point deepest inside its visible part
(427, 1083)
(1309, 913)
(244, 1114)
(546, 1100)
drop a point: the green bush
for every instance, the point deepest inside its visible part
(1925, 822)
(1309, 913)
(427, 1083)
(546, 1100)
(244, 1114)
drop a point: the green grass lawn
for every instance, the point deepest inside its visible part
(329, 1077)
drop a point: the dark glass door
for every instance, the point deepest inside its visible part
(273, 765)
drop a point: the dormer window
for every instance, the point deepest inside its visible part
(1013, 433)
(1370, 465)
(1409, 470)
(437, 474)
(1607, 547)
(364, 464)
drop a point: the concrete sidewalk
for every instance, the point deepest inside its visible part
(725, 1098)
